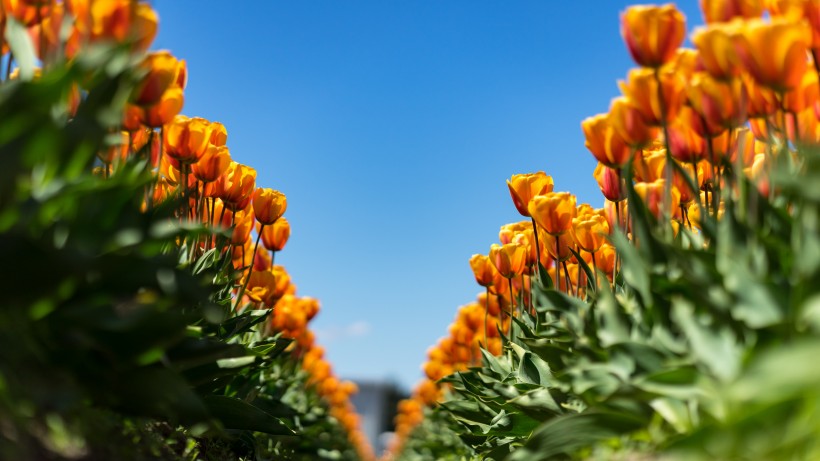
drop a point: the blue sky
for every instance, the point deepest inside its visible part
(392, 127)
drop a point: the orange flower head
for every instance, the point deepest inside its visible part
(553, 211)
(508, 231)
(797, 11)
(685, 144)
(186, 139)
(161, 69)
(721, 104)
(649, 164)
(219, 134)
(609, 181)
(803, 96)
(243, 224)
(641, 88)
(589, 231)
(276, 235)
(716, 48)
(510, 259)
(268, 205)
(212, 164)
(652, 33)
(605, 259)
(482, 269)
(606, 145)
(28, 12)
(630, 123)
(775, 52)
(523, 187)
(558, 246)
(164, 111)
(651, 193)
(235, 186)
(726, 10)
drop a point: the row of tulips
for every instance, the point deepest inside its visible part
(690, 123)
(191, 163)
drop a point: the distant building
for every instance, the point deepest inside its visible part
(376, 402)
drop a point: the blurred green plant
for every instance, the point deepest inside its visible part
(115, 344)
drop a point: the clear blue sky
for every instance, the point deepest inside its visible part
(392, 127)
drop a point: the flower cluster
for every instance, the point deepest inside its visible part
(691, 128)
(192, 165)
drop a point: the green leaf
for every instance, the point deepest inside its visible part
(21, 47)
(237, 414)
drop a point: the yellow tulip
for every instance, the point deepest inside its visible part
(553, 211)
(509, 260)
(604, 142)
(268, 205)
(775, 52)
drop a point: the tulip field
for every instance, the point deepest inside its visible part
(146, 316)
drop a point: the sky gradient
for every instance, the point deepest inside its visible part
(392, 127)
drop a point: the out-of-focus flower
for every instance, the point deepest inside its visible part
(553, 211)
(716, 49)
(726, 10)
(641, 87)
(589, 231)
(28, 12)
(685, 144)
(630, 123)
(604, 142)
(775, 53)
(558, 246)
(609, 180)
(652, 33)
(720, 103)
(275, 236)
(483, 269)
(212, 164)
(268, 205)
(510, 259)
(651, 193)
(523, 187)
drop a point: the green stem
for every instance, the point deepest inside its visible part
(667, 187)
(512, 302)
(250, 270)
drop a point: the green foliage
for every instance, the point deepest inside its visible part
(115, 345)
(702, 351)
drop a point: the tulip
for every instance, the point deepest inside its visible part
(652, 33)
(630, 123)
(558, 246)
(275, 236)
(268, 205)
(605, 259)
(165, 110)
(186, 139)
(508, 231)
(161, 69)
(641, 87)
(721, 104)
(726, 10)
(482, 269)
(523, 187)
(553, 211)
(604, 142)
(509, 260)
(609, 181)
(651, 193)
(27, 12)
(775, 52)
(219, 134)
(212, 164)
(716, 49)
(649, 165)
(589, 231)
(235, 186)
(803, 96)
(685, 144)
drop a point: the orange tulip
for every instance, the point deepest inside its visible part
(721, 104)
(762, 100)
(553, 211)
(186, 139)
(212, 164)
(609, 181)
(725, 10)
(652, 33)
(558, 246)
(605, 259)
(589, 231)
(28, 12)
(775, 52)
(508, 231)
(510, 259)
(482, 269)
(268, 205)
(161, 69)
(649, 165)
(604, 142)
(651, 193)
(641, 88)
(630, 123)
(523, 187)
(275, 236)
(219, 134)
(235, 186)
(164, 111)
(803, 96)
(243, 224)
(685, 144)
(716, 49)
(797, 10)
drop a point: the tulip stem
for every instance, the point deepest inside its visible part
(250, 269)
(569, 280)
(486, 315)
(617, 254)
(537, 247)
(594, 271)
(667, 187)
(512, 303)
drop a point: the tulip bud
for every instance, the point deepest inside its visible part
(589, 231)
(553, 211)
(726, 10)
(523, 187)
(276, 235)
(482, 269)
(609, 181)
(510, 259)
(268, 205)
(604, 142)
(652, 33)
